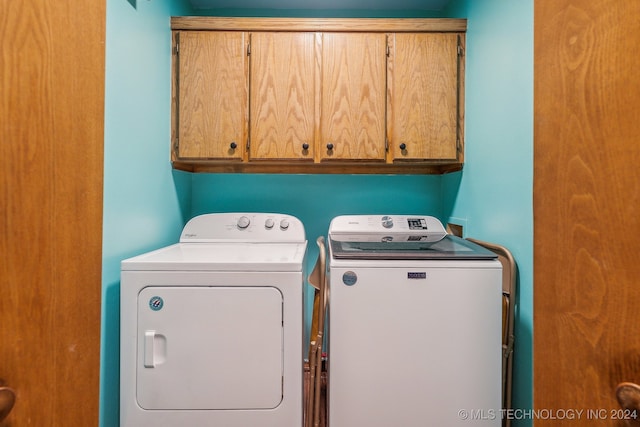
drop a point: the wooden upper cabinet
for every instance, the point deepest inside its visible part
(306, 95)
(424, 91)
(353, 96)
(210, 111)
(283, 111)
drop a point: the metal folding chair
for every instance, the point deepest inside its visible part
(509, 284)
(318, 280)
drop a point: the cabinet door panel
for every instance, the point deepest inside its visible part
(212, 95)
(284, 73)
(353, 96)
(423, 96)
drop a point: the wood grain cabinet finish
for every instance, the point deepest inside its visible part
(318, 95)
(424, 106)
(210, 112)
(353, 96)
(283, 106)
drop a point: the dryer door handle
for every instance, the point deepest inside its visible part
(155, 349)
(149, 338)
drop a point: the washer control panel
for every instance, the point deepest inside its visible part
(386, 228)
(243, 227)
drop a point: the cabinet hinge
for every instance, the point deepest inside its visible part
(248, 144)
(175, 145)
(460, 51)
(458, 145)
(388, 50)
(248, 49)
(386, 145)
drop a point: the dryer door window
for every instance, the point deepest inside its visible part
(209, 348)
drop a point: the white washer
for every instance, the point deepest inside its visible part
(212, 327)
(414, 325)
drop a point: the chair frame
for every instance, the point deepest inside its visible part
(509, 287)
(318, 279)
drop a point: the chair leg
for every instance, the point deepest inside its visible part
(308, 415)
(317, 386)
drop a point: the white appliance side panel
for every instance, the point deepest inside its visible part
(409, 351)
(209, 348)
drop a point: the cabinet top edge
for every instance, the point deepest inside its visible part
(319, 24)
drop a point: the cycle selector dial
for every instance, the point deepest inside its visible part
(269, 223)
(284, 224)
(243, 222)
(387, 222)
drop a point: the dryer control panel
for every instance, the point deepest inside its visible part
(243, 227)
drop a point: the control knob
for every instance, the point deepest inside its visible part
(243, 222)
(387, 222)
(284, 224)
(269, 223)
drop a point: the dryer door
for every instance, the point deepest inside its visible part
(209, 348)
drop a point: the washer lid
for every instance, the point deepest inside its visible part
(448, 248)
(398, 237)
(221, 257)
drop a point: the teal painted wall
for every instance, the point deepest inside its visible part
(145, 202)
(493, 195)
(316, 199)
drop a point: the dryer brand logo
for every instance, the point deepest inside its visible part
(156, 303)
(416, 275)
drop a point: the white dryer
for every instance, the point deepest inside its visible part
(212, 327)
(414, 325)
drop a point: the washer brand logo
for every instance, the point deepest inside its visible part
(156, 303)
(349, 278)
(416, 275)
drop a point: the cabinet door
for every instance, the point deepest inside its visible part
(423, 96)
(284, 72)
(211, 94)
(353, 96)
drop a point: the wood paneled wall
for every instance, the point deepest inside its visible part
(51, 164)
(586, 205)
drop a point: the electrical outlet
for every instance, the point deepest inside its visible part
(456, 226)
